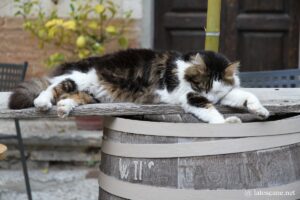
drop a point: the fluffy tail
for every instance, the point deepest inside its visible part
(25, 93)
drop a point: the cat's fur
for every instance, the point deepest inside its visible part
(196, 81)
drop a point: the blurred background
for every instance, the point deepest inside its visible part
(63, 155)
(262, 34)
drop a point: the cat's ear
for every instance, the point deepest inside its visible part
(197, 60)
(232, 68)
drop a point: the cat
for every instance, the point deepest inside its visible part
(195, 81)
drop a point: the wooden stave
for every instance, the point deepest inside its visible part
(290, 151)
(103, 195)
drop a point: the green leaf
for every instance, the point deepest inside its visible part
(128, 14)
(103, 17)
(97, 36)
(55, 59)
(41, 15)
(112, 10)
(72, 7)
(123, 42)
(18, 13)
(111, 3)
(53, 14)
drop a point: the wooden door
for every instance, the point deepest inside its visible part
(262, 34)
(179, 24)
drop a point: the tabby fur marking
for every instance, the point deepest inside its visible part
(196, 81)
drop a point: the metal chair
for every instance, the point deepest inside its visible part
(10, 76)
(289, 78)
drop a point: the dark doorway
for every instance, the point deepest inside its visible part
(262, 34)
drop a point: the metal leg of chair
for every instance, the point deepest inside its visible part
(23, 159)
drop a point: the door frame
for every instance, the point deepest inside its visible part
(299, 49)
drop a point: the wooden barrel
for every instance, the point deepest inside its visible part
(172, 158)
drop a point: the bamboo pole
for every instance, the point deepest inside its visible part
(213, 25)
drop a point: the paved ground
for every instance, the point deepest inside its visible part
(56, 184)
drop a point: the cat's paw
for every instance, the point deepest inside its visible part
(233, 120)
(262, 112)
(258, 109)
(64, 107)
(41, 103)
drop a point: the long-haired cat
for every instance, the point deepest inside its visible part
(196, 81)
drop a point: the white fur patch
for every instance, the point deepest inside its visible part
(88, 82)
(43, 101)
(210, 115)
(178, 95)
(218, 91)
(240, 98)
(85, 82)
(65, 106)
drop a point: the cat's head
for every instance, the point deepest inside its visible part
(209, 67)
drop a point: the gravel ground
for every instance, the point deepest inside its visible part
(54, 184)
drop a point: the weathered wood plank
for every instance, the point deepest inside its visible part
(105, 109)
(277, 101)
(116, 109)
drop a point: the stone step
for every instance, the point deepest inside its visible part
(53, 132)
(51, 183)
(51, 140)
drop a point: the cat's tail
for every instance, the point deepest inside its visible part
(25, 93)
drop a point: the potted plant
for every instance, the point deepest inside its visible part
(88, 30)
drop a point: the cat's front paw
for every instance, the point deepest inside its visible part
(43, 104)
(233, 120)
(64, 107)
(258, 109)
(262, 112)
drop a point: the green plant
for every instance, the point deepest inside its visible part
(86, 31)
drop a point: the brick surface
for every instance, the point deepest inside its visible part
(17, 45)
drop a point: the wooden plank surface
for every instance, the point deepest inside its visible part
(277, 101)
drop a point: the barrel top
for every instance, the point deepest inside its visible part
(140, 127)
